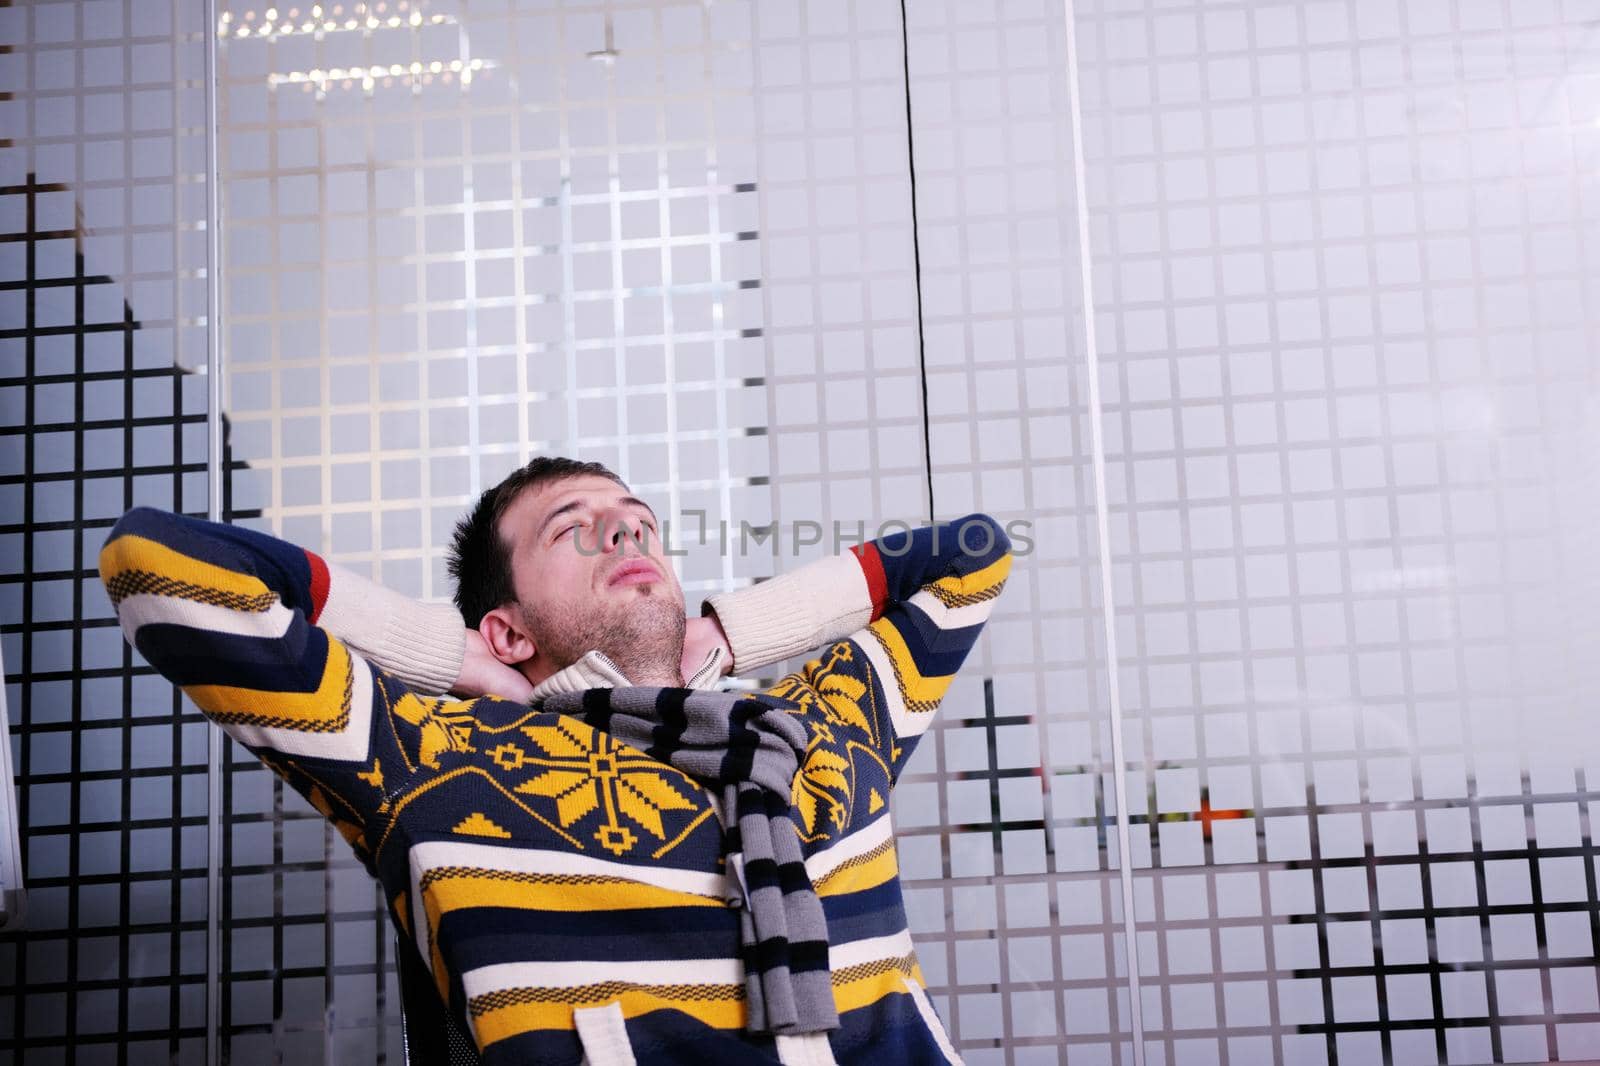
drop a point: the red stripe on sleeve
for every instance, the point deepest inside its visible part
(872, 570)
(319, 585)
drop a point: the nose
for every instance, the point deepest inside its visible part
(623, 531)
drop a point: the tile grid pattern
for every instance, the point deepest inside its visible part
(100, 320)
(1334, 193)
(301, 925)
(1022, 785)
(834, 156)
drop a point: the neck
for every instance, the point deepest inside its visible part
(672, 678)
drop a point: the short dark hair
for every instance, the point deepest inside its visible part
(479, 559)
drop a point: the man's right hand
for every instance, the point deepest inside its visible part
(484, 675)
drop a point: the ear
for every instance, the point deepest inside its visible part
(508, 641)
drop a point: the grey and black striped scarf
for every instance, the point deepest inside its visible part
(749, 746)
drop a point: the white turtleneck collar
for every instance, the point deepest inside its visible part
(596, 670)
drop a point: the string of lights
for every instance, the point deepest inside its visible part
(386, 74)
(319, 21)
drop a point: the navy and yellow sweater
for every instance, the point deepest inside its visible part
(542, 868)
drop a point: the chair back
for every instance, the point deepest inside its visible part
(431, 1034)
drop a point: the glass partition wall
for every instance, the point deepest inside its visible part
(823, 265)
(1007, 838)
(1345, 267)
(103, 405)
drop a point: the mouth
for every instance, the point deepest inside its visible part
(634, 572)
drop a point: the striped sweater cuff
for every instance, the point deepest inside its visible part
(422, 644)
(816, 604)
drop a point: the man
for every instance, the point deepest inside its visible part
(617, 863)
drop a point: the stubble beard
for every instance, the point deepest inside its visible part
(643, 635)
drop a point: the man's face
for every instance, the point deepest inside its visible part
(590, 574)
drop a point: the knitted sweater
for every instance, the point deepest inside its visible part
(566, 891)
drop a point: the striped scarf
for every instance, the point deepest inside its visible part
(749, 746)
